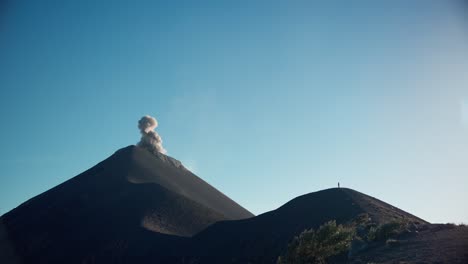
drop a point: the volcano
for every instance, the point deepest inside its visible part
(142, 207)
(133, 195)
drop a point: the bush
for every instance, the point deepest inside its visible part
(362, 219)
(371, 236)
(386, 231)
(316, 246)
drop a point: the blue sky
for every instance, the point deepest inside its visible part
(265, 100)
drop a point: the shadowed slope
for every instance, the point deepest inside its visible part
(7, 250)
(114, 208)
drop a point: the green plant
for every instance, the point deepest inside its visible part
(316, 246)
(386, 231)
(371, 236)
(362, 219)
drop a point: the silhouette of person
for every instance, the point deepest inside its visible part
(338, 184)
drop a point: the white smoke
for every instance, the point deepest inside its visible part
(150, 139)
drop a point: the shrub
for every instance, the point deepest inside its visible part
(316, 246)
(386, 231)
(362, 219)
(371, 236)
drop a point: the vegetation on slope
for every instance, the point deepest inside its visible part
(332, 240)
(316, 246)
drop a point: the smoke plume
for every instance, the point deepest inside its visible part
(150, 139)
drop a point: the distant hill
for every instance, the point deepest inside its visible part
(267, 235)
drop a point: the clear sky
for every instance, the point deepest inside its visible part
(265, 100)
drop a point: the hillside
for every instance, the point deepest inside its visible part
(137, 207)
(267, 235)
(128, 198)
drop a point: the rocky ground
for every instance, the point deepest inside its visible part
(429, 243)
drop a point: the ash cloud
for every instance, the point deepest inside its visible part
(150, 139)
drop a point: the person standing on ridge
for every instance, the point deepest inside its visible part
(338, 184)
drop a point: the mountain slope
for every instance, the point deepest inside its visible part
(170, 174)
(136, 207)
(433, 243)
(110, 209)
(268, 234)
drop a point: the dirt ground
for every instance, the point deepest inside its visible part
(435, 244)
